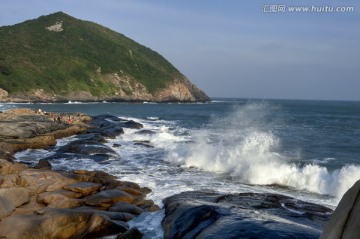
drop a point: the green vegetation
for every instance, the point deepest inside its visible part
(32, 57)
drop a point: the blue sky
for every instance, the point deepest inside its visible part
(232, 48)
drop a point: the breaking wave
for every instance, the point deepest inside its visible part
(243, 145)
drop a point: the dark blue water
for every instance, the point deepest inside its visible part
(310, 147)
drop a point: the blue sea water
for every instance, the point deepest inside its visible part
(305, 149)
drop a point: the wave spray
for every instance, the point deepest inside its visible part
(244, 146)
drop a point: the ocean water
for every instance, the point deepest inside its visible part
(309, 150)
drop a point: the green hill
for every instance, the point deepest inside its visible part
(58, 57)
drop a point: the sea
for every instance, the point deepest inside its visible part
(306, 149)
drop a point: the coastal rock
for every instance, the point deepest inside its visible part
(27, 128)
(43, 180)
(111, 126)
(43, 164)
(95, 137)
(108, 197)
(144, 143)
(84, 188)
(69, 131)
(126, 207)
(60, 223)
(345, 221)
(133, 233)
(146, 132)
(57, 200)
(11, 198)
(51, 204)
(8, 181)
(132, 125)
(22, 129)
(106, 125)
(7, 167)
(119, 216)
(85, 147)
(37, 142)
(244, 215)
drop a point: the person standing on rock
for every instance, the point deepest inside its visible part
(69, 120)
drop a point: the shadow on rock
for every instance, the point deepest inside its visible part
(244, 215)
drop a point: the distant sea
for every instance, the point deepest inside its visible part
(309, 150)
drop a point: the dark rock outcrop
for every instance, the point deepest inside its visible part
(345, 221)
(43, 164)
(244, 215)
(111, 126)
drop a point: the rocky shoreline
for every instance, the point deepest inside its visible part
(44, 203)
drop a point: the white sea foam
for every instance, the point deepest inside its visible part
(237, 153)
(246, 149)
(152, 118)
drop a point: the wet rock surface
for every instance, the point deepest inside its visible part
(111, 126)
(44, 203)
(345, 221)
(90, 145)
(244, 215)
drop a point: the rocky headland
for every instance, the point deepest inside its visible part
(73, 59)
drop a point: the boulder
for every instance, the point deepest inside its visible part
(111, 126)
(84, 188)
(345, 221)
(57, 200)
(119, 216)
(146, 132)
(94, 137)
(85, 147)
(28, 128)
(245, 215)
(108, 197)
(126, 207)
(44, 180)
(144, 143)
(43, 164)
(132, 125)
(106, 126)
(67, 193)
(60, 223)
(37, 142)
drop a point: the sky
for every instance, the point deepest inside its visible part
(233, 48)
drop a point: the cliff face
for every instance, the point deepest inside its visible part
(58, 58)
